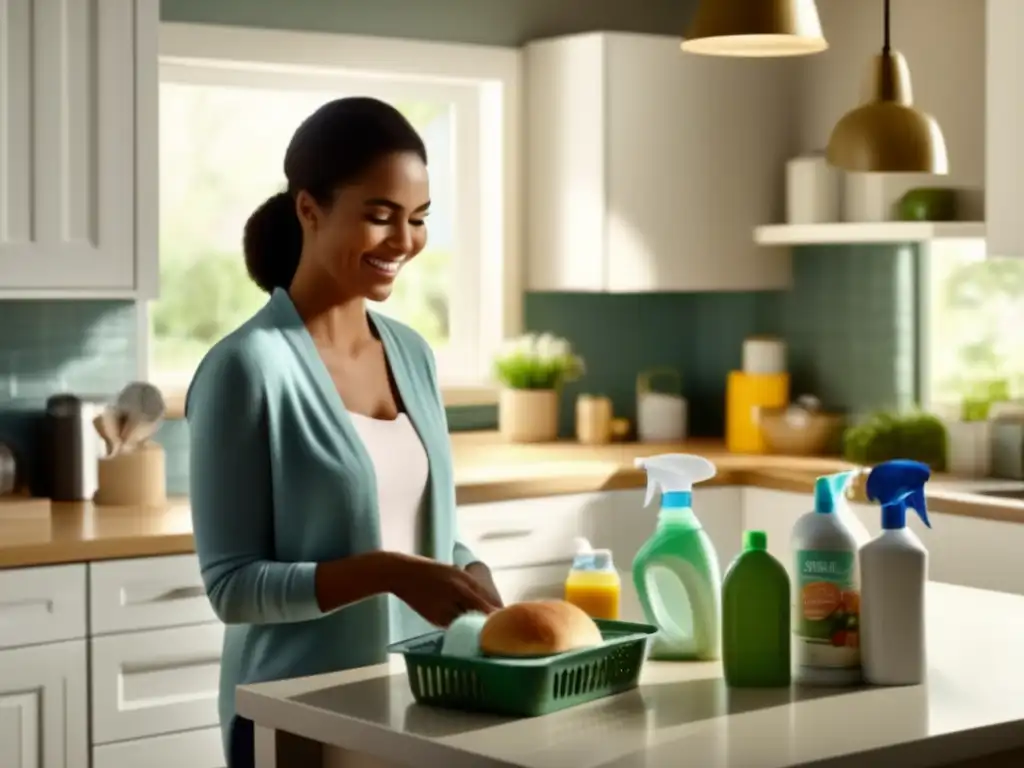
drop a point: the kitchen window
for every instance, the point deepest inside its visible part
(972, 317)
(230, 100)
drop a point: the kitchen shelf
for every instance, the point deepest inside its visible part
(868, 232)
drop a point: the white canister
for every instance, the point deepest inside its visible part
(969, 448)
(764, 355)
(812, 190)
(660, 416)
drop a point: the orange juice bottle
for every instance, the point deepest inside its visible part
(593, 583)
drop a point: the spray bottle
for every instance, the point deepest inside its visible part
(826, 595)
(894, 569)
(676, 571)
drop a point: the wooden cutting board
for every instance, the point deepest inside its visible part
(15, 507)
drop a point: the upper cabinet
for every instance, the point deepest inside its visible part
(1004, 121)
(648, 169)
(78, 147)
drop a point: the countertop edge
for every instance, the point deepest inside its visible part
(279, 705)
(487, 472)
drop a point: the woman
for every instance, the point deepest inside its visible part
(321, 471)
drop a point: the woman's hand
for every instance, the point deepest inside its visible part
(482, 574)
(439, 593)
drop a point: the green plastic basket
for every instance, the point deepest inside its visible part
(526, 687)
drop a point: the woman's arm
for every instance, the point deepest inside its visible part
(232, 509)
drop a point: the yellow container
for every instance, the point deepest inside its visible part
(594, 585)
(746, 395)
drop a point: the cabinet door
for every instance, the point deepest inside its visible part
(151, 683)
(67, 127)
(694, 151)
(546, 582)
(147, 593)
(41, 605)
(43, 707)
(191, 749)
(1004, 157)
(513, 534)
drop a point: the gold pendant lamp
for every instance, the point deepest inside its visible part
(887, 134)
(755, 28)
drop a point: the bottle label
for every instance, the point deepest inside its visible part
(827, 621)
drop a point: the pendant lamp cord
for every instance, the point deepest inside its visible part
(885, 46)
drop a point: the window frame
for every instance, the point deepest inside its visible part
(483, 85)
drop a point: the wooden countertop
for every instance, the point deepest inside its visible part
(36, 532)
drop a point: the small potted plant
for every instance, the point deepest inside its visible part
(531, 371)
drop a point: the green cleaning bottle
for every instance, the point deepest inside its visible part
(756, 618)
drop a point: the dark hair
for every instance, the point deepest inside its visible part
(332, 147)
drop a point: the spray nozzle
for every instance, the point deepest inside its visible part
(828, 488)
(674, 473)
(896, 485)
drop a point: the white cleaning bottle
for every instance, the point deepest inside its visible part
(676, 571)
(826, 590)
(894, 573)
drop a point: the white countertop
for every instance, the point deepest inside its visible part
(683, 715)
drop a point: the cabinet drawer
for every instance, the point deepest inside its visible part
(194, 749)
(151, 683)
(147, 593)
(545, 582)
(508, 534)
(42, 605)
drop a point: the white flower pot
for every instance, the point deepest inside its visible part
(969, 448)
(528, 415)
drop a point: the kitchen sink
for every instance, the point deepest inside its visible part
(1003, 493)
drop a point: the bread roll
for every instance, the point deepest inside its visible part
(540, 628)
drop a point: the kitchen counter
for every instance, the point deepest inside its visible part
(682, 714)
(486, 470)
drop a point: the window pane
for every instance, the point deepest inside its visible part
(221, 155)
(975, 317)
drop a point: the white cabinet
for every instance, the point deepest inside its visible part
(1004, 106)
(509, 534)
(145, 593)
(193, 749)
(41, 605)
(43, 707)
(150, 683)
(78, 147)
(529, 543)
(647, 169)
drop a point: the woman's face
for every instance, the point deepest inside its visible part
(372, 229)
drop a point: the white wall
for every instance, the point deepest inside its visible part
(944, 44)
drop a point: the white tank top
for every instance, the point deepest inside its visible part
(400, 463)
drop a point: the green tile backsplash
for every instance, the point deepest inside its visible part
(86, 347)
(850, 322)
(618, 335)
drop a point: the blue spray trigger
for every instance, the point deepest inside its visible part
(896, 485)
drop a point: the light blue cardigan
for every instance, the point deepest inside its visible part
(281, 481)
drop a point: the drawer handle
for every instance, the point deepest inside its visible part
(167, 665)
(520, 534)
(170, 595)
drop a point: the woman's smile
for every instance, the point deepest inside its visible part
(385, 267)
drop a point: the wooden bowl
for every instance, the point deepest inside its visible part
(809, 434)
